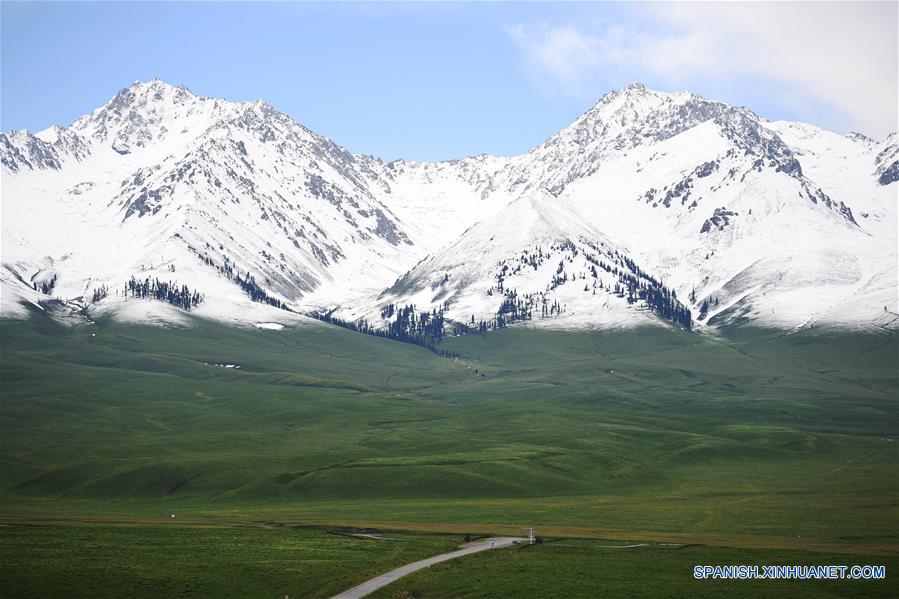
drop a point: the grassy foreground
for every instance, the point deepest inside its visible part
(177, 560)
(581, 568)
(756, 441)
(181, 561)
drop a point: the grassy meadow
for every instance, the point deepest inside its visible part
(584, 568)
(743, 445)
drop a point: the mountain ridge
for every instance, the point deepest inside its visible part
(221, 190)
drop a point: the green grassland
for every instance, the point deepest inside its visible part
(176, 560)
(582, 568)
(180, 561)
(753, 440)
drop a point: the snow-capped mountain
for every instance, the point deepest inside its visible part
(648, 205)
(535, 260)
(167, 183)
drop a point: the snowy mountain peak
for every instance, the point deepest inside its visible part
(635, 102)
(143, 113)
(536, 260)
(646, 198)
(538, 216)
(146, 97)
(631, 91)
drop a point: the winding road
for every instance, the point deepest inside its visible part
(370, 586)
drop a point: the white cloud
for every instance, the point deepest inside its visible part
(564, 52)
(840, 54)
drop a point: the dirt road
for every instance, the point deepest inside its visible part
(370, 586)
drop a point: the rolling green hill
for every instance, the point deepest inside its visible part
(747, 439)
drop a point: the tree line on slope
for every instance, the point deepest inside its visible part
(246, 282)
(166, 291)
(631, 283)
(45, 287)
(403, 324)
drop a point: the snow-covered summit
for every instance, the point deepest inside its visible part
(690, 203)
(535, 260)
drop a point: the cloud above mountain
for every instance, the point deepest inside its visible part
(841, 57)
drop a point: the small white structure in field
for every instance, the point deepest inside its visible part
(531, 538)
(173, 515)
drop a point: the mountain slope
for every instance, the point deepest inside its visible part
(776, 223)
(713, 200)
(535, 260)
(169, 182)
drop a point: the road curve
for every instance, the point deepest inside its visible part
(370, 586)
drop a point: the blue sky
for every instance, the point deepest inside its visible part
(443, 80)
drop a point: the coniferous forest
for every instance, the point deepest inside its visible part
(166, 291)
(404, 324)
(257, 293)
